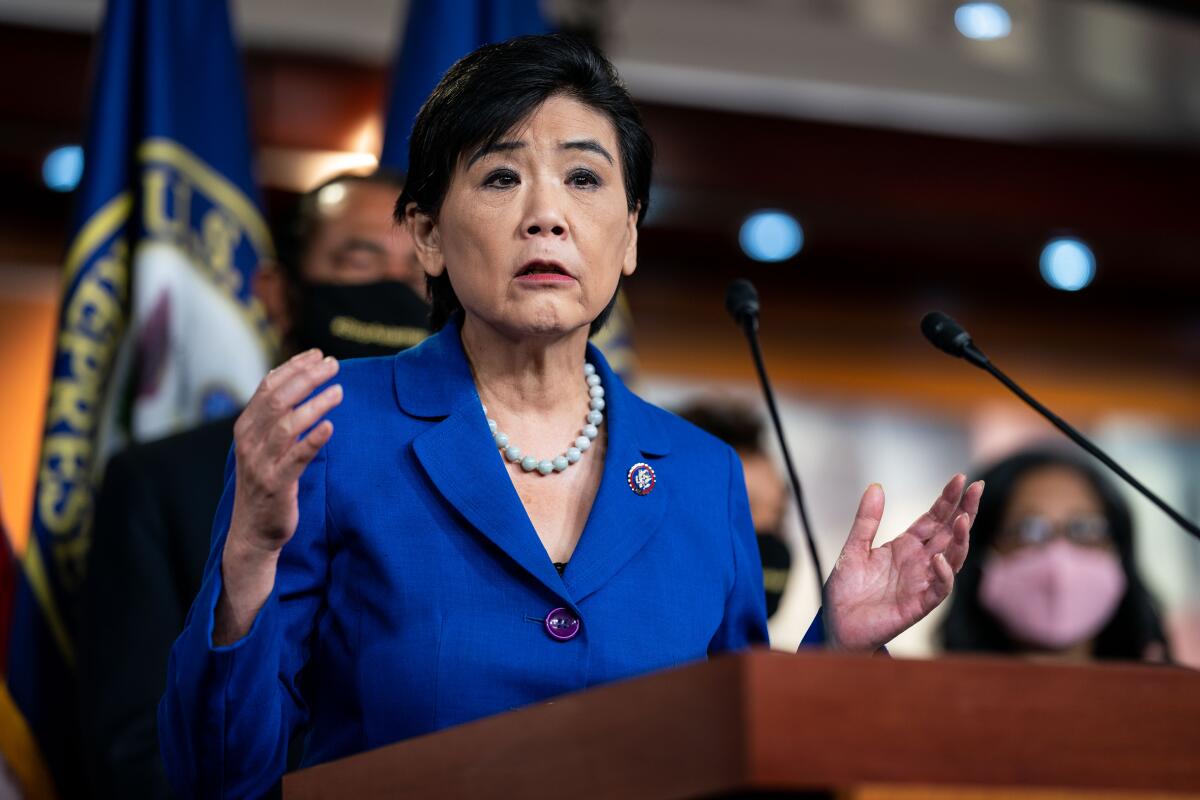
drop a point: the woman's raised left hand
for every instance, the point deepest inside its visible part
(874, 593)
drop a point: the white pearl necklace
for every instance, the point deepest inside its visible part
(590, 430)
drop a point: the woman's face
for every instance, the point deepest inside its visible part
(1054, 578)
(535, 230)
(1050, 502)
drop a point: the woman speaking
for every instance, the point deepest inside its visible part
(497, 519)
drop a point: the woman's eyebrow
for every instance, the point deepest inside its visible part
(590, 145)
(494, 147)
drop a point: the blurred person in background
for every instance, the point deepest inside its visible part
(345, 280)
(742, 429)
(1051, 572)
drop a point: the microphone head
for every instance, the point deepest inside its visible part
(945, 333)
(741, 300)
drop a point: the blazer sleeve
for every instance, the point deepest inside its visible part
(228, 712)
(745, 620)
(815, 635)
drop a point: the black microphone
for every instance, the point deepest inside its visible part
(948, 335)
(741, 300)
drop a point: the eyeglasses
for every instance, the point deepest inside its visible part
(1090, 531)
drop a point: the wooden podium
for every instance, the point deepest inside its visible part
(766, 723)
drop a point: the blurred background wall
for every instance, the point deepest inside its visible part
(924, 158)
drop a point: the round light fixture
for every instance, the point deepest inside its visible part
(1068, 264)
(771, 236)
(983, 22)
(63, 167)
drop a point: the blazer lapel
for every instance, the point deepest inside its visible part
(459, 458)
(621, 521)
(433, 380)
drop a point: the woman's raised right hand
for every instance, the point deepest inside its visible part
(270, 453)
(270, 458)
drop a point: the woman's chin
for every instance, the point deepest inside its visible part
(547, 328)
(546, 318)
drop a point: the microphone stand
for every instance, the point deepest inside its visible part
(972, 354)
(749, 325)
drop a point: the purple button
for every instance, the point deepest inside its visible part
(562, 624)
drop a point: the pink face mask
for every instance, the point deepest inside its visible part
(1053, 595)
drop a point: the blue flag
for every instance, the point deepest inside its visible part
(438, 33)
(158, 329)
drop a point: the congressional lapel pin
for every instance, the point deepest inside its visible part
(641, 478)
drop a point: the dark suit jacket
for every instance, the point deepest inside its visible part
(150, 541)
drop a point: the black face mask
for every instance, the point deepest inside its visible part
(776, 561)
(360, 320)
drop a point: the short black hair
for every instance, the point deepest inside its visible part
(968, 626)
(295, 231)
(490, 91)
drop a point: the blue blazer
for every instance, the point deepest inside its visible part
(414, 592)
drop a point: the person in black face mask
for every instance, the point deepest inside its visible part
(346, 281)
(742, 430)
